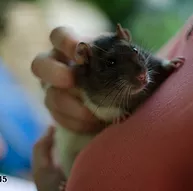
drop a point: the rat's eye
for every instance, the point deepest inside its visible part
(111, 62)
(135, 50)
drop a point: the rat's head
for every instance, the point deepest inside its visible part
(113, 68)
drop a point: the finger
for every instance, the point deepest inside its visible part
(42, 149)
(48, 179)
(75, 124)
(70, 112)
(67, 104)
(64, 42)
(52, 71)
(48, 138)
(59, 56)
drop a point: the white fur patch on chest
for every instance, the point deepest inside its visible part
(103, 113)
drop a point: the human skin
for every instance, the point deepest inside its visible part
(51, 67)
(46, 175)
(67, 109)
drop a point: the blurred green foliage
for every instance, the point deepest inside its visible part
(150, 26)
(153, 30)
(116, 10)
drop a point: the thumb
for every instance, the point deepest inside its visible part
(42, 149)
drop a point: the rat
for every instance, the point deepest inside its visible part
(117, 76)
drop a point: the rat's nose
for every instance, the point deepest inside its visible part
(142, 78)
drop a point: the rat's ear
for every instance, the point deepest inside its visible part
(83, 52)
(123, 33)
(128, 34)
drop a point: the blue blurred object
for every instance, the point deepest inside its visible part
(20, 125)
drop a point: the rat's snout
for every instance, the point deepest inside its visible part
(142, 78)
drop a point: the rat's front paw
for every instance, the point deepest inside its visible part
(177, 62)
(121, 118)
(62, 186)
(173, 64)
(189, 33)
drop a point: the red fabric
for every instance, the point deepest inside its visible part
(153, 150)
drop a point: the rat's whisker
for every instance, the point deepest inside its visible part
(147, 60)
(152, 82)
(125, 90)
(99, 48)
(128, 96)
(128, 93)
(117, 95)
(144, 90)
(108, 82)
(119, 87)
(100, 104)
(101, 59)
(124, 98)
(106, 85)
(152, 71)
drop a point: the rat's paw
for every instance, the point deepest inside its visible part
(177, 62)
(173, 64)
(62, 186)
(121, 119)
(189, 33)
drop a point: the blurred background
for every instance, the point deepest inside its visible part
(24, 30)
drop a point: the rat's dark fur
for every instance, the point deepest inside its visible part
(109, 75)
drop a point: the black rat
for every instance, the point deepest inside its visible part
(115, 78)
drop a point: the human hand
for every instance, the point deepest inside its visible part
(52, 68)
(47, 176)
